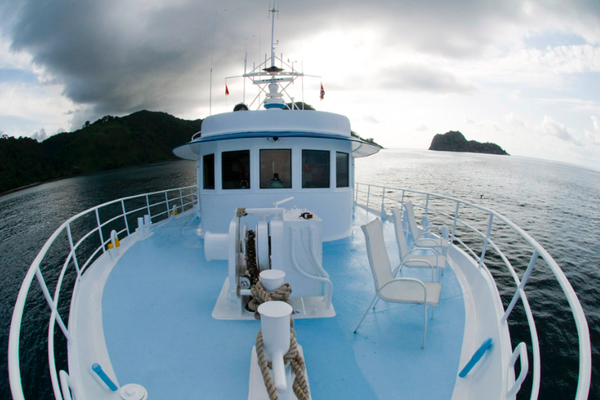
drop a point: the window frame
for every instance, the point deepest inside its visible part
(246, 174)
(326, 173)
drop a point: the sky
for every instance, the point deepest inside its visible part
(522, 74)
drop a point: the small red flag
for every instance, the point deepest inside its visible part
(226, 91)
(322, 96)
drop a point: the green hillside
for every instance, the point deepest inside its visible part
(111, 142)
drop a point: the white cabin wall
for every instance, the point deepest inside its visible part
(333, 205)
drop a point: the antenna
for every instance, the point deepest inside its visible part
(273, 11)
(212, 48)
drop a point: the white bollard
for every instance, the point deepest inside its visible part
(216, 246)
(275, 325)
(272, 279)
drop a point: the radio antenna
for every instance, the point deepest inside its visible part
(212, 49)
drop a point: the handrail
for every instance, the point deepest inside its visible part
(14, 369)
(585, 358)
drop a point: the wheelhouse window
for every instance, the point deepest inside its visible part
(315, 169)
(235, 167)
(208, 171)
(342, 169)
(275, 169)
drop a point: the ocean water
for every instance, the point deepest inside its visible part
(557, 204)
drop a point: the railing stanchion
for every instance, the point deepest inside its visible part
(125, 217)
(487, 238)
(427, 204)
(521, 286)
(167, 202)
(455, 221)
(100, 231)
(148, 207)
(181, 200)
(51, 304)
(70, 236)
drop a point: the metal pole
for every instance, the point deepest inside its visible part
(487, 238)
(521, 287)
(125, 217)
(100, 231)
(73, 249)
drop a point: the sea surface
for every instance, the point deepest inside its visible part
(557, 204)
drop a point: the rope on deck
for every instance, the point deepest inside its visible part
(260, 295)
(293, 357)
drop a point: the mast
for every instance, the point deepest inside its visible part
(273, 11)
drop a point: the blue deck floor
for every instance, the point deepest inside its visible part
(159, 331)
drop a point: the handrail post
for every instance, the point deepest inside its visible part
(125, 217)
(148, 206)
(167, 202)
(487, 238)
(427, 204)
(383, 214)
(521, 287)
(181, 200)
(100, 231)
(455, 221)
(50, 301)
(70, 236)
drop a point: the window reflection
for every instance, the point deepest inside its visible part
(315, 169)
(342, 169)
(208, 171)
(275, 168)
(236, 169)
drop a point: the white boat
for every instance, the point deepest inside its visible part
(159, 284)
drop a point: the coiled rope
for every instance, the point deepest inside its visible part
(293, 357)
(260, 295)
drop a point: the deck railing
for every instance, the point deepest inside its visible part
(85, 245)
(470, 221)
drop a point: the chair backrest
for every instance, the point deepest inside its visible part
(400, 237)
(377, 253)
(410, 219)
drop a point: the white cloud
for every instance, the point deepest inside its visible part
(593, 135)
(553, 128)
(421, 127)
(514, 121)
(420, 77)
(40, 136)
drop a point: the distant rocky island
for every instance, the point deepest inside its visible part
(456, 141)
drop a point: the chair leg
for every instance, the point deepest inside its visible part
(376, 301)
(365, 314)
(425, 329)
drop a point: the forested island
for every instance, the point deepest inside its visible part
(111, 142)
(456, 141)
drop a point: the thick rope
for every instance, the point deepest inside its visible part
(260, 295)
(293, 357)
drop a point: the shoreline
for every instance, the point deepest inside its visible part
(82, 174)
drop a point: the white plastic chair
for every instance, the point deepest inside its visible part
(418, 236)
(388, 288)
(416, 257)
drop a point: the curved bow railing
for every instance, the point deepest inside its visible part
(89, 239)
(480, 222)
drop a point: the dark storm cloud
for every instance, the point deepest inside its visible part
(115, 57)
(420, 78)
